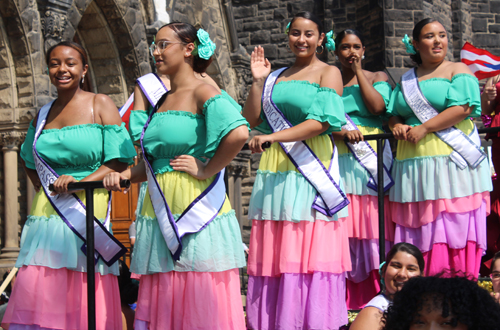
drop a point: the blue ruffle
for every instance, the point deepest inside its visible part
(285, 196)
(50, 242)
(432, 178)
(355, 177)
(216, 248)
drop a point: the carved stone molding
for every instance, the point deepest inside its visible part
(12, 140)
(53, 25)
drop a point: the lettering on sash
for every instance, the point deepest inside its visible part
(466, 149)
(330, 199)
(71, 209)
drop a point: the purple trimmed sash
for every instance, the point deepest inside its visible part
(71, 209)
(152, 86)
(367, 157)
(466, 148)
(195, 217)
(330, 199)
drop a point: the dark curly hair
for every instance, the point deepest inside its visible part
(341, 36)
(470, 304)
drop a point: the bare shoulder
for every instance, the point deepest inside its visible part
(328, 70)
(106, 109)
(368, 318)
(458, 68)
(378, 76)
(203, 92)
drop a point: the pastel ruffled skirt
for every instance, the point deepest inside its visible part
(440, 208)
(363, 281)
(50, 291)
(202, 289)
(298, 257)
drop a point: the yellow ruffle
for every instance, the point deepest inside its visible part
(365, 130)
(275, 160)
(180, 189)
(42, 207)
(430, 145)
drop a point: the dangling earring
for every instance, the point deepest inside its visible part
(322, 49)
(83, 78)
(336, 58)
(363, 57)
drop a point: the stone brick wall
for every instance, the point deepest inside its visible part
(485, 19)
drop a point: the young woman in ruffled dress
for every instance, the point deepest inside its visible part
(298, 256)
(192, 135)
(83, 140)
(436, 205)
(366, 96)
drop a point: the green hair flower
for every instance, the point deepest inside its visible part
(409, 46)
(204, 47)
(330, 43)
(287, 28)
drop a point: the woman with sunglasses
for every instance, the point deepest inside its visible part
(188, 247)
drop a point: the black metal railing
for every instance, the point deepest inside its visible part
(89, 187)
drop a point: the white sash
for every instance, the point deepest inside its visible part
(71, 209)
(194, 218)
(466, 149)
(367, 157)
(152, 86)
(330, 198)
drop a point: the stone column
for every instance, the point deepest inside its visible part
(10, 249)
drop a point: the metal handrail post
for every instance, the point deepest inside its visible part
(381, 193)
(89, 187)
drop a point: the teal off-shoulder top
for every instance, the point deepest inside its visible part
(300, 100)
(173, 133)
(138, 118)
(442, 94)
(355, 107)
(79, 150)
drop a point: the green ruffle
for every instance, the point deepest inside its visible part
(221, 117)
(432, 178)
(117, 144)
(50, 242)
(216, 248)
(136, 123)
(285, 196)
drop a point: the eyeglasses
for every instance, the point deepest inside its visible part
(161, 46)
(495, 276)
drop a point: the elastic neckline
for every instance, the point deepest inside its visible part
(305, 82)
(178, 113)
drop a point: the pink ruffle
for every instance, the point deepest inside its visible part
(414, 215)
(296, 301)
(365, 258)
(442, 258)
(359, 294)
(190, 300)
(452, 229)
(57, 299)
(278, 247)
(362, 221)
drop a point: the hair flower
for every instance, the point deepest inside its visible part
(330, 43)
(287, 29)
(204, 47)
(409, 46)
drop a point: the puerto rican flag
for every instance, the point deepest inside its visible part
(481, 62)
(126, 109)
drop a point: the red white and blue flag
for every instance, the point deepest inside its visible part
(126, 109)
(481, 62)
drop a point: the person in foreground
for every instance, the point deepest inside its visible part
(404, 261)
(187, 250)
(434, 303)
(495, 277)
(298, 254)
(366, 96)
(442, 179)
(80, 137)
